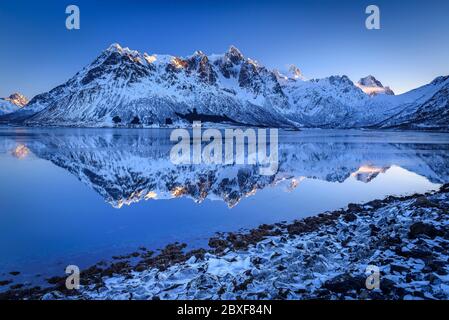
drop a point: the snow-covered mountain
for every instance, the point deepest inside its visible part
(336, 102)
(424, 108)
(123, 87)
(291, 74)
(13, 103)
(371, 86)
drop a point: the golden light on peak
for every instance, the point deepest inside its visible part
(151, 195)
(179, 63)
(294, 183)
(150, 59)
(367, 173)
(369, 169)
(178, 191)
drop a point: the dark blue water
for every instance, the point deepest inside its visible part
(76, 196)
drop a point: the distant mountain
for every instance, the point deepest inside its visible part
(335, 102)
(13, 103)
(423, 108)
(292, 73)
(123, 87)
(371, 86)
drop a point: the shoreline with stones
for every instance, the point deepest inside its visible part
(319, 257)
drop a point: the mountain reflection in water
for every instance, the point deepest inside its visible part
(129, 166)
(47, 215)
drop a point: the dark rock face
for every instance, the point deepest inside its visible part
(345, 283)
(350, 217)
(129, 69)
(419, 229)
(370, 81)
(246, 76)
(200, 64)
(234, 55)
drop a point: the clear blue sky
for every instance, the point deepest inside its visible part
(322, 37)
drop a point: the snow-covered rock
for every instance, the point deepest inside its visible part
(371, 86)
(13, 103)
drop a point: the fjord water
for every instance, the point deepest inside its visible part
(77, 196)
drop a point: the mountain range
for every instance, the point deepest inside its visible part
(126, 88)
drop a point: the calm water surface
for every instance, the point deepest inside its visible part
(76, 196)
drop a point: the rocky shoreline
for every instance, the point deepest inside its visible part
(320, 257)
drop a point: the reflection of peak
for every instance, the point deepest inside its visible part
(294, 183)
(368, 173)
(20, 152)
(13, 103)
(132, 167)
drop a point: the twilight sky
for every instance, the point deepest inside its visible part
(323, 38)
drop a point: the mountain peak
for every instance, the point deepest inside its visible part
(440, 80)
(234, 54)
(294, 72)
(114, 47)
(372, 87)
(13, 103)
(234, 50)
(291, 73)
(370, 81)
(17, 99)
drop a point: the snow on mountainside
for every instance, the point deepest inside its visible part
(336, 102)
(324, 102)
(123, 87)
(371, 86)
(12, 103)
(293, 73)
(424, 108)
